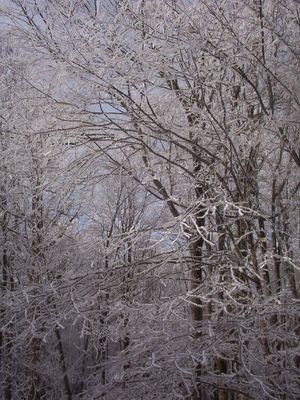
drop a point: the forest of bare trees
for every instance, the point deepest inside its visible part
(149, 199)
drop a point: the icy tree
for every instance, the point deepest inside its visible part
(180, 126)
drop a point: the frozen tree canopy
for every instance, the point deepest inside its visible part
(149, 199)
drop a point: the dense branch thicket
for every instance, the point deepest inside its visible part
(149, 199)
